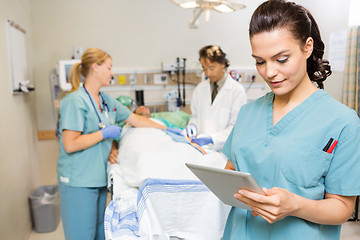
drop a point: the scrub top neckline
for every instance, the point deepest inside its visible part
(101, 108)
(290, 116)
(101, 112)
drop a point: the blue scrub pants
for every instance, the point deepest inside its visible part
(82, 212)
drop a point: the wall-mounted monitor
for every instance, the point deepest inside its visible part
(63, 70)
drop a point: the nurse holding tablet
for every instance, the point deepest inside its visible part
(281, 138)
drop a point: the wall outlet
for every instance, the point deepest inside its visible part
(147, 79)
(78, 52)
(122, 80)
(132, 79)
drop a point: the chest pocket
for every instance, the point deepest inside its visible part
(303, 164)
(112, 117)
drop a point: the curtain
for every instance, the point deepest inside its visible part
(350, 96)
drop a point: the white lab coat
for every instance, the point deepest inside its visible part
(217, 119)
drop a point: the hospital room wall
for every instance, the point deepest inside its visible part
(19, 160)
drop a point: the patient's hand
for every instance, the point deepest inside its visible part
(113, 154)
(229, 165)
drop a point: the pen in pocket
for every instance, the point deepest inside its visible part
(332, 147)
(327, 146)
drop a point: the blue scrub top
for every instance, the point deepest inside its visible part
(86, 168)
(290, 155)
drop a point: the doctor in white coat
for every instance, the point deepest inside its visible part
(216, 102)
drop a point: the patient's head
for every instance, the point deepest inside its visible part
(143, 111)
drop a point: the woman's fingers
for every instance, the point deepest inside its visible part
(113, 156)
(272, 207)
(251, 197)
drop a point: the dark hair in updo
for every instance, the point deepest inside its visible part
(276, 14)
(214, 54)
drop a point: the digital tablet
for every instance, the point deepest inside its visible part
(225, 183)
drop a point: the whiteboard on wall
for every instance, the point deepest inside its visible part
(17, 57)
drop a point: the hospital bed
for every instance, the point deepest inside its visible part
(155, 196)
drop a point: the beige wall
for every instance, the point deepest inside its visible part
(19, 155)
(331, 16)
(139, 34)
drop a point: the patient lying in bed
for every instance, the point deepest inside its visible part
(150, 160)
(152, 153)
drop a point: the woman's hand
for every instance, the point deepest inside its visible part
(114, 152)
(276, 204)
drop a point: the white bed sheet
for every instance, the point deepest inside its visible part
(145, 155)
(151, 153)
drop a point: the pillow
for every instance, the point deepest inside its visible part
(178, 118)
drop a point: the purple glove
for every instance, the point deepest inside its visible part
(201, 141)
(177, 131)
(111, 131)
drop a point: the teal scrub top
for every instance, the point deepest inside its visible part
(86, 168)
(290, 155)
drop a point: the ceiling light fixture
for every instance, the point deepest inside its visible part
(198, 6)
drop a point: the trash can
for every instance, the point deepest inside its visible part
(45, 208)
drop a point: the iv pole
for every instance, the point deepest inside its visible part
(178, 80)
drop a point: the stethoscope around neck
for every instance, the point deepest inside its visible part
(106, 109)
